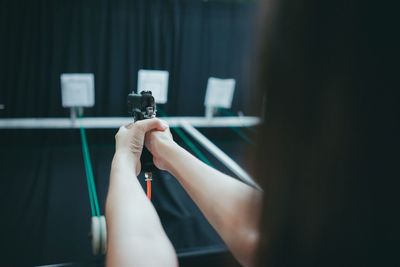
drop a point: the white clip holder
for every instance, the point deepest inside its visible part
(219, 94)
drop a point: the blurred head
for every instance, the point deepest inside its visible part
(325, 160)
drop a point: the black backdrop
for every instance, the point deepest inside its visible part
(192, 39)
(43, 200)
(45, 212)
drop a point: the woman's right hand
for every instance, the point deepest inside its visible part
(159, 143)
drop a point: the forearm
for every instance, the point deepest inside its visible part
(230, 206)
(135, 234)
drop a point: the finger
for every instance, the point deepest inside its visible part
(152, 124)
(164, 122)
(169, 132)
(130, 125)
(147, 142)
(138, 167)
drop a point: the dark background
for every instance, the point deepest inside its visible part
(192, 39)
(45, 213)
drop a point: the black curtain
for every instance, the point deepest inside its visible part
(192, 39)
(43, 195)
(45, 206)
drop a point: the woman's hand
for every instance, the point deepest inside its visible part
(130, 139)
(159, 144)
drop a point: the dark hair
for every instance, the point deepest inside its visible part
(326, 159)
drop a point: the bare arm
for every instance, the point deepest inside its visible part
(230, 206)
(135, 234)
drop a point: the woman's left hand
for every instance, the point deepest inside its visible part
(130, 139)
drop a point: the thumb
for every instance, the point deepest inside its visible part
(151, 124)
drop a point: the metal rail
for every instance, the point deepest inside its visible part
(220, 155)
(116, 122)
(187, 123)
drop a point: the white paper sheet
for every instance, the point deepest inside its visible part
(219, 92)
(155, 81)
(77, 90)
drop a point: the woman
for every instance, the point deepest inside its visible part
(324, 159)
